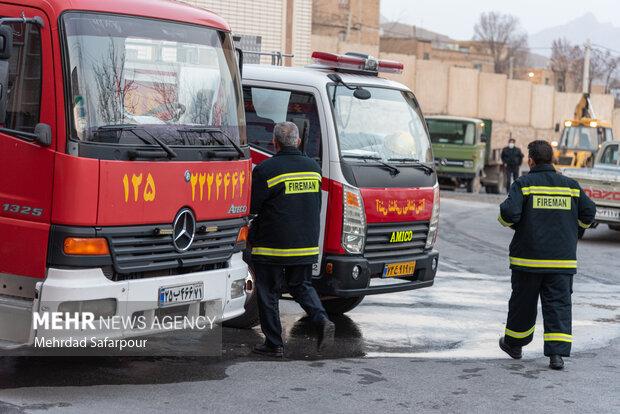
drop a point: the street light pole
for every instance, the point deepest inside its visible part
(586, 67)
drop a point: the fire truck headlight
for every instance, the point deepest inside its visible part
(434, 223)
(353, 221)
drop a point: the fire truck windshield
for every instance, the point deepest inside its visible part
(388, 126)
(132, 79)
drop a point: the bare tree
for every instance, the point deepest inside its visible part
(501, 36)
(114, 87)
(567, 64)
(562, 63)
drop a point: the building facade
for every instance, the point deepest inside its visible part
(275, 25)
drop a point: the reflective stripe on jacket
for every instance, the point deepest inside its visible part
(286, 197)
(546, 210)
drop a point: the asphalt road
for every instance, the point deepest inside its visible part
(432, 350)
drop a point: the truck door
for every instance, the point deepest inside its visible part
(26, 167)
(265, 106)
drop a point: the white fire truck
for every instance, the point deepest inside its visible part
(380, 206)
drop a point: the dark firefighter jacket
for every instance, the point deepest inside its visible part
(286, 197)
(512, 157)
(546, 210)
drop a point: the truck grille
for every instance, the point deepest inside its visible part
(142, 249)
(379, 249)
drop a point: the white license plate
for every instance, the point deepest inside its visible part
(175, 295)
(603, 213)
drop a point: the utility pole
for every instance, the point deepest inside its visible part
(511, 67)
(586, 67)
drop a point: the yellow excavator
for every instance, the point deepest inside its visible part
(581, 138)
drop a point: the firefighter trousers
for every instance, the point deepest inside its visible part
(555, 291)
(298, 278)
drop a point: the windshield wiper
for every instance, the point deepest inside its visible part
(416, 164)
(393, 170)
(212, 131)
(132, 128)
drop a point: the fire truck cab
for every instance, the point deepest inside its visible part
(380, 205)
(124, 165)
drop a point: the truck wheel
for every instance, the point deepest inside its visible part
(338, 306)
(474, 185)
(250, 318)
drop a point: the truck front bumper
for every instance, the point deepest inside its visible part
(131, 298)
(341, 283)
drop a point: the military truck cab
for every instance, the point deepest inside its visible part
(463, 154)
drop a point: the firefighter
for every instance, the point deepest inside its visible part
(546, 210)
(286, 197)
(512, 158)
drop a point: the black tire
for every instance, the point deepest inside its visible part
(491, 189)
(474, 185)
(499, 187)
(250, 318)
(338, 306)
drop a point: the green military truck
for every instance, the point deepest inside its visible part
(463, 154)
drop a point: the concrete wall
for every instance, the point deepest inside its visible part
(492, 96)
(616, 123)
(564, 106)
(518, 101)
(431, 86)
(408, 75)
(603, 106)
(463, 91)
(542, 106)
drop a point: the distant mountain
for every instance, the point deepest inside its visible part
(577, 31)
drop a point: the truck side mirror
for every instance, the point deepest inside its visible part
(557, 127)
(240, 60)
(484, 138)
(6, 42)
(6, 48)
(43, 134)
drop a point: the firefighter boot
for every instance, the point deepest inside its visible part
(514, 351)
(556, 362)
(269, 351)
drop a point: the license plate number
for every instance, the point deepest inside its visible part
(174, 295)
(399, 269)
(608, 213)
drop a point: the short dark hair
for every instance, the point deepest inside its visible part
(512, 140)
(540, 152)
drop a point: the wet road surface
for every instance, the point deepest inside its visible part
(430, 350)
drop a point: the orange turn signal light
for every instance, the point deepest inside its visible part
(86, 246)
(352, 199)
(243, 234)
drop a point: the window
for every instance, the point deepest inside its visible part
(24, 91)
(266, 107)
(451, 132)
(611, 155)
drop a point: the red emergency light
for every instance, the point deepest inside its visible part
(357, 62)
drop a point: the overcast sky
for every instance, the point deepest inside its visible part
(456, 18)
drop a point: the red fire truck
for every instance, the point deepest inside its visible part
(380, 194)
(124, 165)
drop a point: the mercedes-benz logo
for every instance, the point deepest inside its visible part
(183, 230)
(188, 176)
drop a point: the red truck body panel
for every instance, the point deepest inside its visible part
(87, 192)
